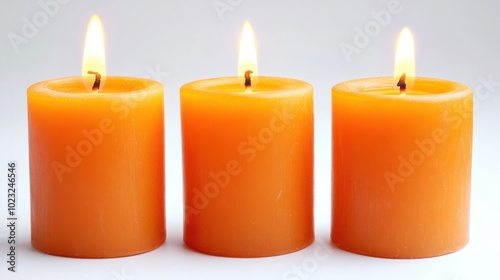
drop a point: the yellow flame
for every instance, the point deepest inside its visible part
(405, 58)
(247, 59)
(93, 53)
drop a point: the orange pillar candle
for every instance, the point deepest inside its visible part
(401, 167)
(248, 162)
(248, 166)
(96, 166)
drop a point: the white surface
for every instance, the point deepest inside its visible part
(455, 39)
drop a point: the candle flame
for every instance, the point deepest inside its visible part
(405, 58)
(93, 54)
(247, 59)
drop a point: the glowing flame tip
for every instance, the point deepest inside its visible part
(247, 59)
(405, 58)
(94, 53)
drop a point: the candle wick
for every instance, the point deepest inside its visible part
(97, 82)
(248, 80)
(402, 83)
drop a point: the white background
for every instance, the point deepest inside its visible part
(189, 40)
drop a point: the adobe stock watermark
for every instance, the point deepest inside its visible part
(310, 264)
(222, 7)
(121, 107)
(425, 148)
(156, 73)
(484, 90)
(371, 29)
(121, 275)
(32, 25)
(249, 150)
(77, 153)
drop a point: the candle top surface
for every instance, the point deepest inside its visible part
(262, 86)
(428, 89)
(74, 87)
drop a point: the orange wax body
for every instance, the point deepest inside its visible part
(96, 167)
(248, 166)
(401, 167)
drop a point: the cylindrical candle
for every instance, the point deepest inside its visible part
(401, 167)
(248, 166)
(96, 167)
